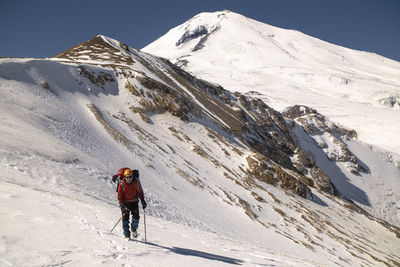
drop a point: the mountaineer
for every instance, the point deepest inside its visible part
(129, 192)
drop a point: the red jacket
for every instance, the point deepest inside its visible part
(129, 193)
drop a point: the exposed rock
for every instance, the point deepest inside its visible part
(344, 154)
(289, 182)
(315, 123)
(326, 136)
(98, 49)
(163, 99)
(297, 111)
(321, 180)
(97, 78)
(190, 35)
(259, 169)
(269, 173)
(132, 89)
(303, 158)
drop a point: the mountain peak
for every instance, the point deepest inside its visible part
(285, 66)
(192, 35)
(100, 48)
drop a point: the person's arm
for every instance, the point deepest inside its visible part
(120, 194)
(141, 194)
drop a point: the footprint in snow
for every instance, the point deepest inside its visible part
(115, 245)
(100, 233)
(117, 256)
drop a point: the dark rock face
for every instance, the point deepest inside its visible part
(304, 159)
(99, 79)
(293, 184)
(259, 169)
(189, 35)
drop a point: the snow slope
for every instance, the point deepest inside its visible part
(358, 90)
(69, 123)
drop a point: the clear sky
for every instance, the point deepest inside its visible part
(44, 28)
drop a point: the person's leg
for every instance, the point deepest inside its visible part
(125, 224)
(135, 218)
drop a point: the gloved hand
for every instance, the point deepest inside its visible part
(114, 178)
(144, 204)
(124, 208)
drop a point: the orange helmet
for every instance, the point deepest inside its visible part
(128, 173)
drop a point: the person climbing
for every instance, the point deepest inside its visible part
(129, 192)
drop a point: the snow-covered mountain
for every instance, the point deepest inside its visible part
(228, 179)
(358, 90)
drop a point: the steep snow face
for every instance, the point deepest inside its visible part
(225, 182)
(359, 90)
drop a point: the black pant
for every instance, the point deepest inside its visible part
(133, 209)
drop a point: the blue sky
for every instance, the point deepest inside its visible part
(44, 28)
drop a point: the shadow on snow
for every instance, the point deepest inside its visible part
(196, 253)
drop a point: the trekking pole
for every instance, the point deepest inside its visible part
(118, 221)
(144, 221)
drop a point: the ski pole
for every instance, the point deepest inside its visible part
(144, 221)
(118, 221)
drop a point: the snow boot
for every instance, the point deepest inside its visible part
(134, 234)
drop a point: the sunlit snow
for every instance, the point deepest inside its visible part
(58, 204)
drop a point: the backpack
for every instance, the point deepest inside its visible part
(120, 175)
(121, 172)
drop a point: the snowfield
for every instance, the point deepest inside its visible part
(64, 229)
(69, 123)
